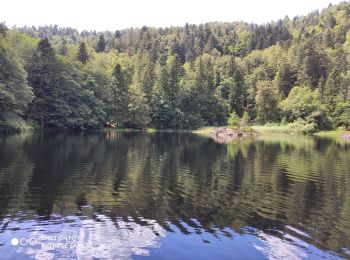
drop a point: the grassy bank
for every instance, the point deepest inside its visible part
(285, 129)
(204, 130)
(333, 133)
(276, 129)
(265, 129)
(258, 128)
(272, 129)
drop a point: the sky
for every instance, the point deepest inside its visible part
(101, 15)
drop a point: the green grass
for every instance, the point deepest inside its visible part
(207, 130)
(285, 129)
(332, 133)
(271, 128)
(151, 130)
(297, 127)
(268, 129)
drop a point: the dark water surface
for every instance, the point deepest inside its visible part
(173, 196)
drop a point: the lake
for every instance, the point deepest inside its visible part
(120, 195)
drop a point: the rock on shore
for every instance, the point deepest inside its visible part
(227, 134)
(346, 136)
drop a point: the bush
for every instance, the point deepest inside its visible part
(233, 127)
(341, 115)
(247, 129)
(11, 122)
(303, 108)
(300, 126)
(234, 119)
(244, 120)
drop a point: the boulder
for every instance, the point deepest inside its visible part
(346, 136)
(227, 134)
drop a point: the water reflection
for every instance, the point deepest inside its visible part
(81, 238)
(165, 194)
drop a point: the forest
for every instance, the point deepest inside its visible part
(293, 72)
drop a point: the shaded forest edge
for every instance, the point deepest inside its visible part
(292, 75)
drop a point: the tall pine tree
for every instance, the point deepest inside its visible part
(101, 44)
(82, 54)
(119, 96)
(43, 76)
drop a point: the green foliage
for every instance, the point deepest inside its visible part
(60, 101)
(244, 122)
(211, 109)
(101, 44)
(301, 126)
(42, 77)
(15, 94)
(302, 103)
(311, 61)
(63, 50)
(331, 89)
(3, 29)
(341, 115)
(234, 119)
(119, 96)
(266, 101)
(76, 107)
(12, 122)
(285, 77)
(139, 112)
(82, 54)
(165, 104)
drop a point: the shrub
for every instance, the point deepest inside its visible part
(301, 126)
(341, 115)
(304, 110)
(11, 122)
(234, 119)
(244, 120)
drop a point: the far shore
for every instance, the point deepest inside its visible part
(207, 131)
(267, 130)
(263, 130)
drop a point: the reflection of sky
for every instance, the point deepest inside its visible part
(250, 244)
(276, 248)
(94, 238)
(102, 238)
(290, 247)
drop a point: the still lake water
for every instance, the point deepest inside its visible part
(111, 195)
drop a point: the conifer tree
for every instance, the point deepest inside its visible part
(119, 95)
(82, 54)
(63, 48)
(15, 94)
(101, 44)
(43, 77)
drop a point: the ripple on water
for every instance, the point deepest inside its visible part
(267, 198)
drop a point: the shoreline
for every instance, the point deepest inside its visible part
(341, 134)
(206, 131)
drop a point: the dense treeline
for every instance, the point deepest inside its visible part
(293, 71)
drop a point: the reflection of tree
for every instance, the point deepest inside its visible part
(15, 171)
(192, 181)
